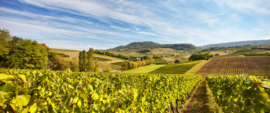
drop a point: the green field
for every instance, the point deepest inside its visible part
(144, 69)
(65, 50)
(102, 59)
(118, 63)
(178, 68)
(196, 68)
(109, 56)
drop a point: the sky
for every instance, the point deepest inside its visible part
(104, 24)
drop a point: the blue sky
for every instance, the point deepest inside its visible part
(103, 24)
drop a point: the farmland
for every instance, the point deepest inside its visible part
(177, 68)
(144, 69)
(81, 92)
(258, 66)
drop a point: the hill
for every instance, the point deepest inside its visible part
(239, 43)
(138, 46)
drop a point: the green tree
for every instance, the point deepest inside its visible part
(177, 61)
(59, 63)
(24, 54)
(4, 39)
(83, 61)
(90, 58)
(96, 66)
(74, 64)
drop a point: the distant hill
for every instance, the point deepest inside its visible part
(152, 45)
(240, 43)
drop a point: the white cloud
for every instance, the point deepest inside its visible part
(261, 6)
(266, 38)
(119, 28)
(146, 33)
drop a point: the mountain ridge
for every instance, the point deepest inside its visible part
(238, 43)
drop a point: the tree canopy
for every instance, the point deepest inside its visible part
(21, 53)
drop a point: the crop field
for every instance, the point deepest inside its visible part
(258, 66)
(27, 91)
(178, 68)
(144, 69)
(196, 68)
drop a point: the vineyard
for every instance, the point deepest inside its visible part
(245, 94)
(54, 91)
(258, 66)
(177, 68)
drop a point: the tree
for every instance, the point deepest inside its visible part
(83, 61)
(96, 66)
(177, 61)
(74, 64)
(23, 54)
(86, 61)
(59, 63)
(90, 58)
(4, 39)
(108, 69)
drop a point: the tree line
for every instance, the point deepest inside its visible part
(200, 56)
(21, 53)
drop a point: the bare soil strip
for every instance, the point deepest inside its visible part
(202, 101)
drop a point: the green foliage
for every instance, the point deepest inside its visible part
(145, 51)
(86, 61)
(108, 69)
(178, 68)
(76, 92)
(159, 61)
(90, 59)
(245, 94)
(102, 59)
(83, 61)
(21, 53)
(96, 66)
(129, 65)
(107, 53)
(144, 69)
(137, 46)
(59, 63)
(62, 55)
(74, 66)
(4, 39)
(177, 61)
(200, 56)
(117, 63)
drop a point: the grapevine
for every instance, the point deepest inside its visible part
(65, 91)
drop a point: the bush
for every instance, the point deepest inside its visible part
(177, 61)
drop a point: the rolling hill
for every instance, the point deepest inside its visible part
(138, 46)
(239, 43)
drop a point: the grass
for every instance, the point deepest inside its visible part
(144, 69)
(118, 63)
(203, 102)
(65, 50)
(102, 59)
(196, 68)
(109, 56)
(178, 68)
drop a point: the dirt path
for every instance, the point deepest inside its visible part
(201, 101)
